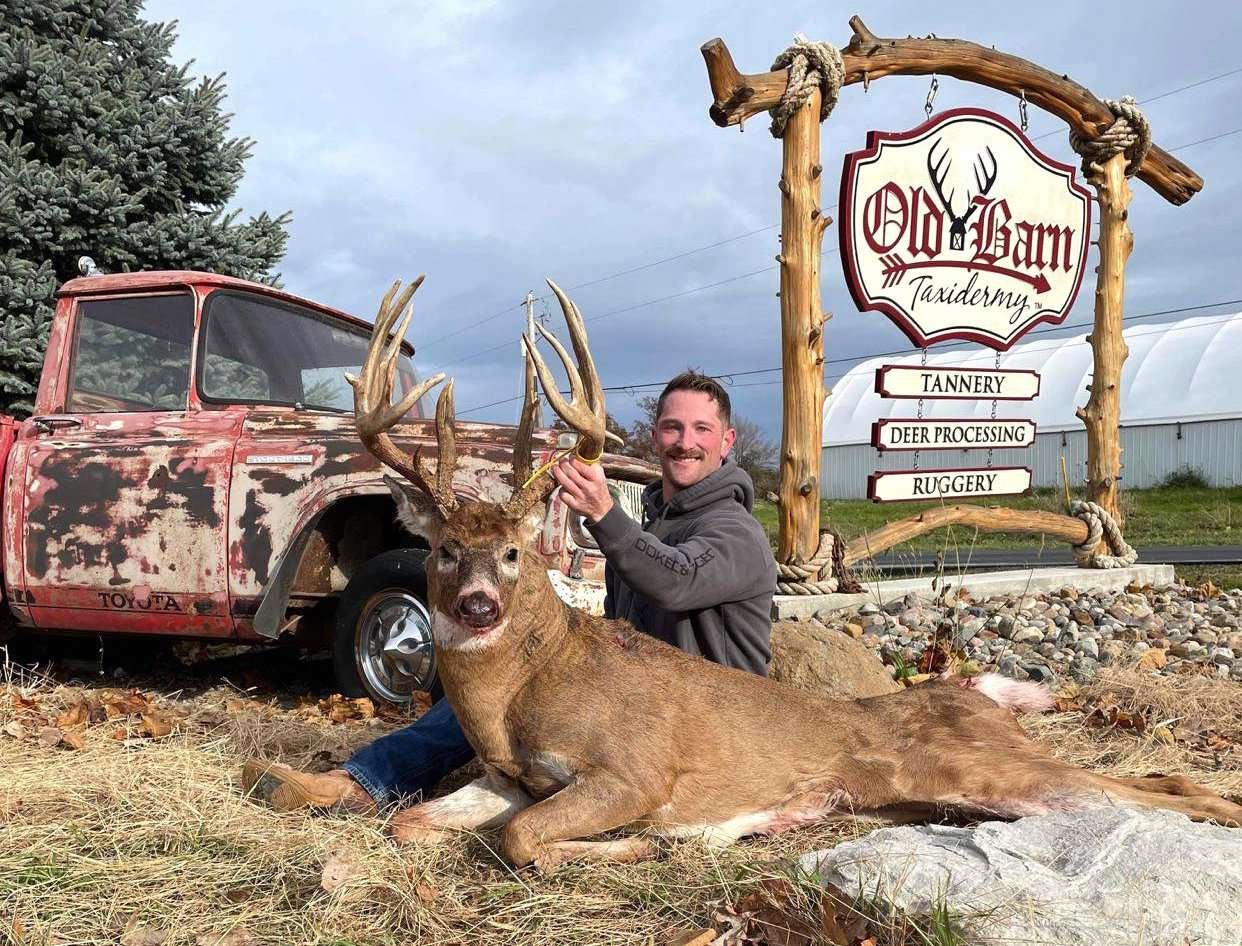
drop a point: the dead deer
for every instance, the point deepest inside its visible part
(585, 725)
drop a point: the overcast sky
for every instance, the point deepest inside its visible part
(492, 144)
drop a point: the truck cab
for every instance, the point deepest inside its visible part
(192, 469)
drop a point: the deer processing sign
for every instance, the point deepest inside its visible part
(962, 229)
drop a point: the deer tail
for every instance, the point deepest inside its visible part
(1022, 695)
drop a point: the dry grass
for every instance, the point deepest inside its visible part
(137, 839)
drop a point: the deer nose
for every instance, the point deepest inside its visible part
(478, 609)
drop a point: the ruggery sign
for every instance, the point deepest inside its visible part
(947, 484)
(951, 434)
(963, 384)
(962, 229)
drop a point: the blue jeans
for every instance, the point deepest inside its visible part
(412, 760)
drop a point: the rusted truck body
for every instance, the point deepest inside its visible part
(192, 469)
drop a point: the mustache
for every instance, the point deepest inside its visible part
(684, 455)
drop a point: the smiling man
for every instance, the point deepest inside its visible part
(697, 573)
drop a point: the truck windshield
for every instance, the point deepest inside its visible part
(265, 351)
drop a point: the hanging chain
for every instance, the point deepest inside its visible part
(931, 96)
(1022, 119)
(922, 364)
(996, 366)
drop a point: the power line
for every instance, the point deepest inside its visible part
(952, 346)
(601, 279)
(629, 308)
(1162, 95)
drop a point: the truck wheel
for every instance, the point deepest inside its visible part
(382, 647)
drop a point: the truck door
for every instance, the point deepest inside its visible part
(126, 489)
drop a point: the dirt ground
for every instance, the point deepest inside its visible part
(122, 819)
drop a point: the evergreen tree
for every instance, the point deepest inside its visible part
(107, 150)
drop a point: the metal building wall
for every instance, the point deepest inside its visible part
(1151, 453)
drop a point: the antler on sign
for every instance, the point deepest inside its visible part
(375, 413)
(957, 230)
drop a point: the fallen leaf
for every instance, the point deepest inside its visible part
(120, 734)
(338, 870)
(74, 740)
(15, 729)
(76, 715)
(50, 737)
(157, 724)
(118, 705)
(427, 893)
(691, 937)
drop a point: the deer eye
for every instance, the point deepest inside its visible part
(511, 555)
(447, 554)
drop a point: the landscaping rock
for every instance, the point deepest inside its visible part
(1108, 877)
(820, 659)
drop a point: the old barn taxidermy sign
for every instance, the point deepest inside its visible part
(963, 434)
(962, 229)
(972, 384)
(947, 484)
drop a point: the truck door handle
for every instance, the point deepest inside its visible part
(50, 422)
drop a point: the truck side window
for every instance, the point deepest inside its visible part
(132, 354)
(268, 351)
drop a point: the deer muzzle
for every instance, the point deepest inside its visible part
(478, 609)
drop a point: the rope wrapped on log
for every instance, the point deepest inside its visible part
(814, 577)
(1100, 525)
(1130, 132)
(810, 65)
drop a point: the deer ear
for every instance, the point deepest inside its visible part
(416, 512)
(530, 526)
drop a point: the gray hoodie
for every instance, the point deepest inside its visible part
(698, 573)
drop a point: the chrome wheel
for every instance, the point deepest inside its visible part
(392, 646)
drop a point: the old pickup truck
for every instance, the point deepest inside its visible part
(192, 470)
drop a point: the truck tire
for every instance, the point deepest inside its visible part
(382, 646)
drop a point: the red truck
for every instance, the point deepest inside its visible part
(192, 470)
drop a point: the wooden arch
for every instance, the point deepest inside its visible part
(867, 57)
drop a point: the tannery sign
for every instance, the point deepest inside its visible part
(945, 484)
(961, 228)
(973, 384)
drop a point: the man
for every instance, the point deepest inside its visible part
(698, 574)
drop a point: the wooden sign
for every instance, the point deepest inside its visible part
(907, 485)
(962, 229)
(954, 434)
(966, 384)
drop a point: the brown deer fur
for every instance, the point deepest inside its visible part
(585, 725)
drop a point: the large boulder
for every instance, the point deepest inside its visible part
(1108, 877)
(812, 656)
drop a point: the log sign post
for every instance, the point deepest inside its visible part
(960, 229)
(958, 248)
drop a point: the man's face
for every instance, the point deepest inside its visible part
(690, 438)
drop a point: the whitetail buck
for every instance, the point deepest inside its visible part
(585, 724)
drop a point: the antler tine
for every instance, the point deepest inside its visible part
(578, 337)
(527, 423)
(440, 486)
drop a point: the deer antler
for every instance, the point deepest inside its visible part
(375, 413)
(525, 495)
(585, 412)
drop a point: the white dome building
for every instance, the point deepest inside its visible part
(1181, 406)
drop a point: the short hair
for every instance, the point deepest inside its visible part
(694, 380)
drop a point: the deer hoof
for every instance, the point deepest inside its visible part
(413, 828)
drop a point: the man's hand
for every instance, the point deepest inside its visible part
(583, 487)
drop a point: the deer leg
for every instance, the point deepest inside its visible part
(546, 833)
(485, 803)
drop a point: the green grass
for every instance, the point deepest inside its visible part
(1183, 515)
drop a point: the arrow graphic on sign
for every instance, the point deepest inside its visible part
(895, 269)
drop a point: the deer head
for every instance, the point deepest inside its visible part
(481, 562)
(984, 181)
